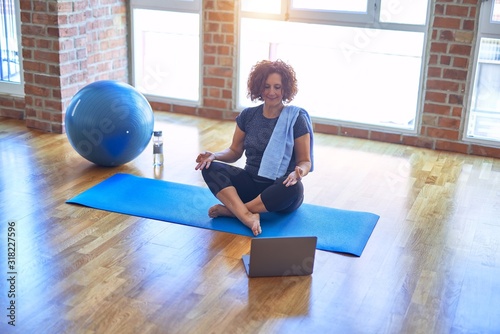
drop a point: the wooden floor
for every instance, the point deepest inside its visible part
(432, 264)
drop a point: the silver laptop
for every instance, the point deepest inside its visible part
(280, 256)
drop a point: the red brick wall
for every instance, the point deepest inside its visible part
(449, 61)
(67, 45)
(12, 107)
(449, 76)
(219, 58)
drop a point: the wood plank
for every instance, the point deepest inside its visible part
(432, 264)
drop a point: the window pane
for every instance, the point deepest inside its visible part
(9, 51)
(166, 53)
(496, 12)
(358, 6)
(484, 120)
(356, 74)
(404, 11)
(262, 6)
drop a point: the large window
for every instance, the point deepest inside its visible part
(356, 61)
(10, 69)
(484, 115)
(166, 49)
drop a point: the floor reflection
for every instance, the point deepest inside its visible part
(270, 296)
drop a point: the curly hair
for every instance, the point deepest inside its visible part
(258, 76)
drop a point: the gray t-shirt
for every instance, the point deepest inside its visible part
(258, 130)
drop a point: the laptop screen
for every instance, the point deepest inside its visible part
(281, 256)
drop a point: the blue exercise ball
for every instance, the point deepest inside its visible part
(109, 123)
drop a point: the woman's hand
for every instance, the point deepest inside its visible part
(294, 177)
(204, 159)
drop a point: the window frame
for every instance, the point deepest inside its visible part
(16, 88)
(351, 20)
(485, 24)
(486, 29)
(327, 16)
(181, 6)
(369, 20)
(191, 6)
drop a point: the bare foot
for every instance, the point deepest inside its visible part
(219, 210)
(252, 221)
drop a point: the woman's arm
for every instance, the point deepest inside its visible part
(230, 154)
(302, 150)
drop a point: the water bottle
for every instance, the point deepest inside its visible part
(157, 148)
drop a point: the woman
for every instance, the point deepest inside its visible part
(277, 142)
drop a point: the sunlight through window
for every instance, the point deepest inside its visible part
(345, 73)
(166, 57)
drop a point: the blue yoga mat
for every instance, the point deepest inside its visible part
(337, 230)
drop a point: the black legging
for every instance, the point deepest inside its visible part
(275, 196)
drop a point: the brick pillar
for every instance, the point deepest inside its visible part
(219, 58)
(66, 45)
(449, 74)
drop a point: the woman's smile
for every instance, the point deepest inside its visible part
(273, 90)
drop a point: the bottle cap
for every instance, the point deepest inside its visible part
(157, 133)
